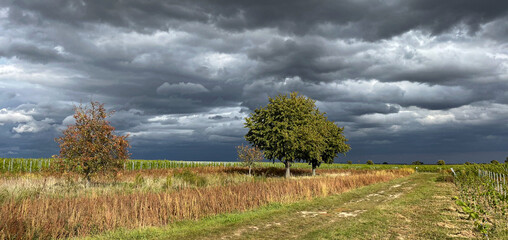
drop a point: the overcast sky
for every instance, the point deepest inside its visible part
(410, 80)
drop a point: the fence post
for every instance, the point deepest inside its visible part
(504, 183)
(499, 182)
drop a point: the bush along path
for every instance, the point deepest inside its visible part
(415, 207)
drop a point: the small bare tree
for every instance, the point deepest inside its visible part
(249, 156)
(90, 146)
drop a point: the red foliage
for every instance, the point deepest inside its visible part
(90, 145)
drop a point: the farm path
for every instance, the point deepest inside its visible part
(415, 207)
(419, 206)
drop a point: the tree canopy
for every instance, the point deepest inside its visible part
(291, 128)
(322, 142)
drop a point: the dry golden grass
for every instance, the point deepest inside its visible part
(57, 185)
(45, 217)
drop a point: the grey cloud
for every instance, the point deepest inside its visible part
(124, 120)
(126, 14)
(287, 58)
(363, 92)
(346, 111)
(34, 126)
(412, 75)
(376, 21)
(381, 20)
(217, 117)
(181, 88)
(11, 95)
(31, 53)
(497, 30)
(9, 116)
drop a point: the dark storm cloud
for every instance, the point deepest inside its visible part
(287, 58)
(346, 111)
(376, 20)
(126, 14)
(351, 19)
(30, 53)
(402, 76)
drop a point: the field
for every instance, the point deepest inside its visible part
(32, 165)
(203, 200)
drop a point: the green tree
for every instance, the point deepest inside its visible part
(370, 162)
(90, 146)
(417, 163)
(506, 161)
(323, 143)
(494, 162)
(441, 162)
(290, 128)
(349, 162)
(249, 156)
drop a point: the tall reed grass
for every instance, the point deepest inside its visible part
(46, 218)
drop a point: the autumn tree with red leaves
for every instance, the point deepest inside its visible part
(90, 146)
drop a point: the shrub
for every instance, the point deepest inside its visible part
(138, 181)
(417, 163)
(494, 162)
(191, 178)
(168, 183)
(249, 156)
(445, 178)
(349, 162)
(370, 162)
(441, 162)
(89, 146)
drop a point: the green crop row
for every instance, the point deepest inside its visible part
(483, 196)
(25, 165)
(15, 165)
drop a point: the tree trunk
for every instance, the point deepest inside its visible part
(288, 173)
(88, 181)
(250, 167)
(314, 166)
